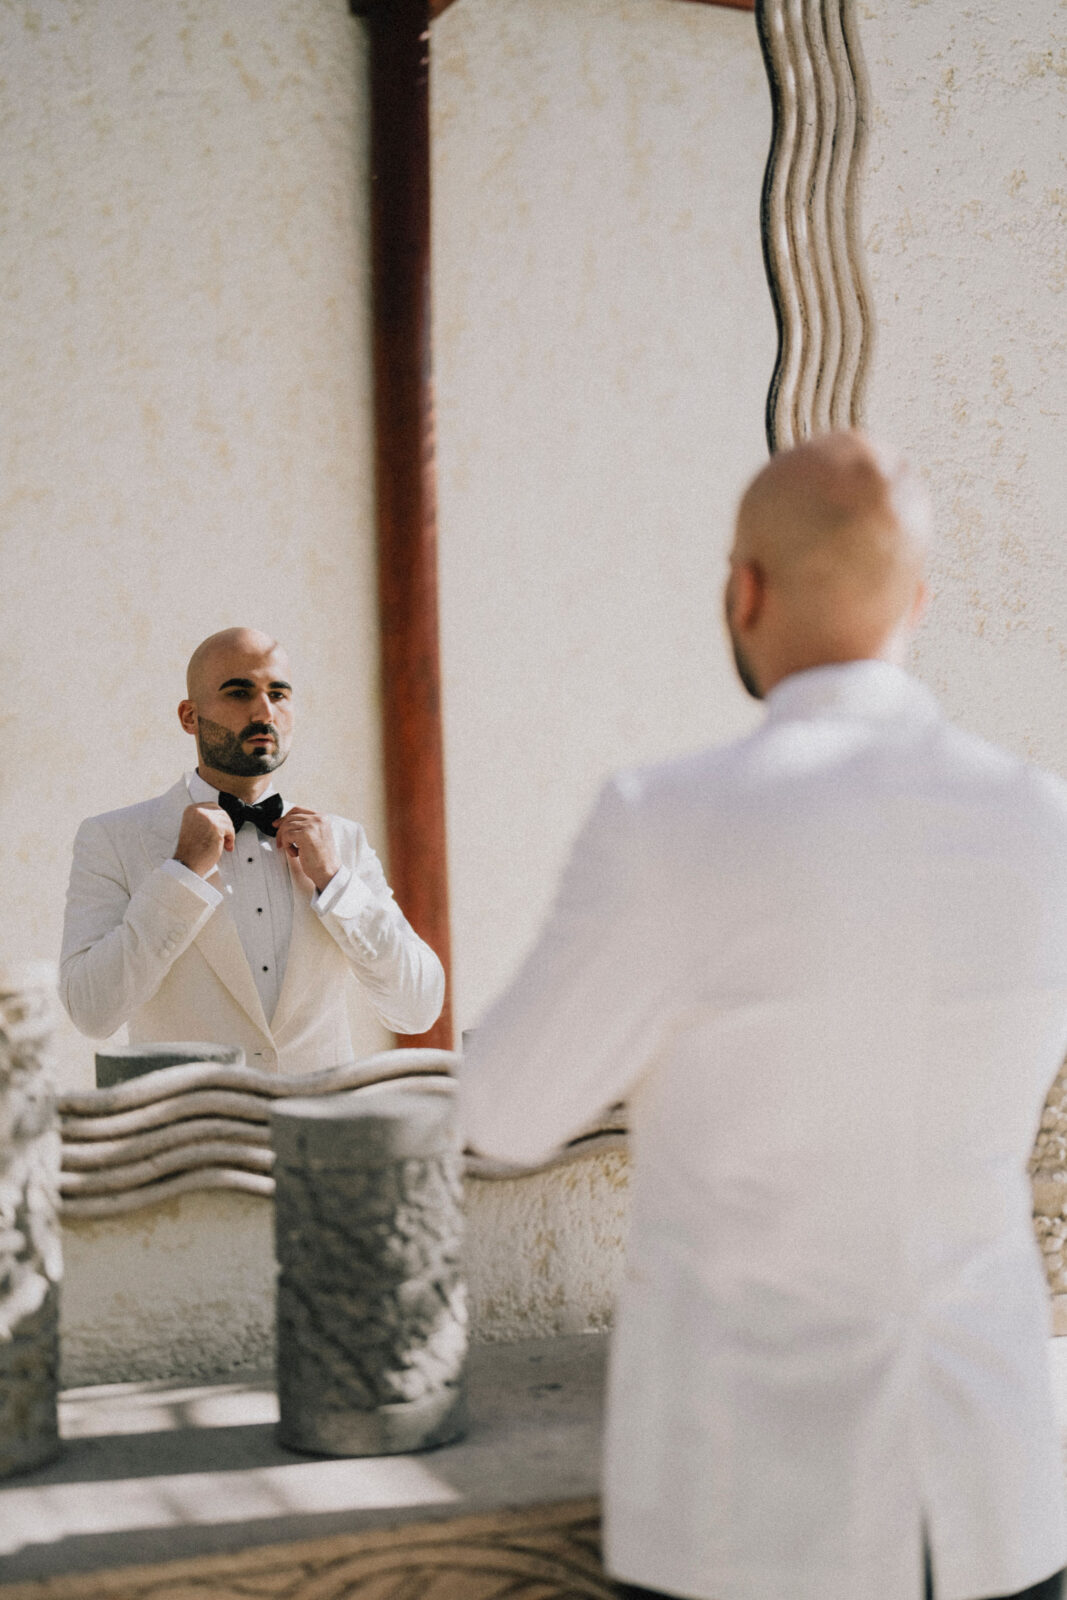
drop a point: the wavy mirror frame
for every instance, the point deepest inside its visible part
(810, 225)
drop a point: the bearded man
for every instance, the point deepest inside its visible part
(215, 912)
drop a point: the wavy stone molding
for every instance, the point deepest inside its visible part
(810, 216)
(206, 1126)
(199, 1126)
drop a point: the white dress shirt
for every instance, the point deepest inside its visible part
(254, 880)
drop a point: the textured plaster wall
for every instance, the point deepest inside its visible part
(965, 207)
(604, 342)
(186, 1288)
(185, 395)
(182, 1289)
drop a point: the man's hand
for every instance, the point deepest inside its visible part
(307, 837)
(206, 831)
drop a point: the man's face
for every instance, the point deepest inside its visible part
(244, 713)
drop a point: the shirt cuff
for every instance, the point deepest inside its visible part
(346, 894)
(192, 880)
(325, 899)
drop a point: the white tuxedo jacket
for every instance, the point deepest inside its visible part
(139, 947)
(828, 968)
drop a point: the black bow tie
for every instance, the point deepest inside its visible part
(265, 816)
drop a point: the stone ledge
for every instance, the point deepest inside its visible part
(181, 1489)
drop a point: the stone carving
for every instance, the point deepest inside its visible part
(121, 1062)
(544, 1553)
(30, 1256)
(1048, 1173)
(202, 1125)
(810, 217)
(371, 1305)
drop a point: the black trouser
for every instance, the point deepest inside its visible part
(1049, 1589)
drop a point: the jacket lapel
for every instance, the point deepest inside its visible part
(217, 941)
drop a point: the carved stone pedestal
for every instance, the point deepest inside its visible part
(30, 1256)
(372, 1326)
(121, 1062)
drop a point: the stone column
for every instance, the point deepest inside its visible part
(30, 1255)
(121, 1062)
(372, 1324)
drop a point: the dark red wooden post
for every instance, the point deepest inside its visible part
(399, 39)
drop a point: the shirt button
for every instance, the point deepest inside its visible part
(266, 969)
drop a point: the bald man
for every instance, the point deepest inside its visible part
(217, 912)
(827, 968)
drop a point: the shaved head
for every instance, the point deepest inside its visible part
(834, 533)
(838, 508)
(239, 708)
(231, 643)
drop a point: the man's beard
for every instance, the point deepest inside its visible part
(221, 750)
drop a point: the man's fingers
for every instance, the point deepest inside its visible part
(295, 822)
(206, 831)
(221, 823)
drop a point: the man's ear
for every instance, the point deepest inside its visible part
(187, 716)
(919, 605)
(749, 591)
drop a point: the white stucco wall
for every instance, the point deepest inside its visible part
(186, 400)
(186, 1288)
(965, 206)
(604, 342)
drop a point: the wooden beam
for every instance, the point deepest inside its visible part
(413, 741)
(398, 33)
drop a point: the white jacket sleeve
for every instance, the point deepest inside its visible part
(586, 1011)
(402, 976)
(117, 946)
